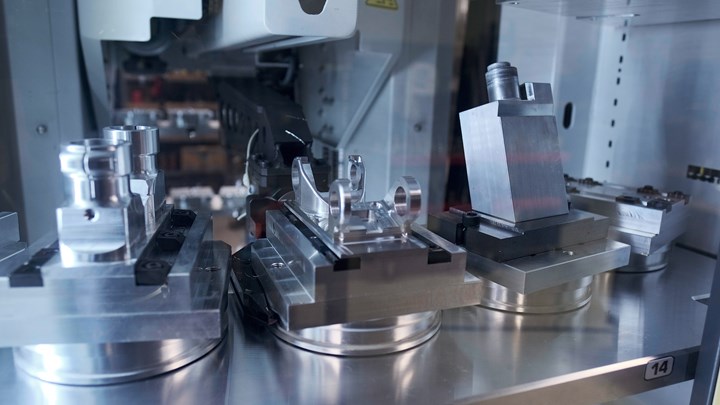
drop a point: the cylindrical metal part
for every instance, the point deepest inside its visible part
(144, 145)
(96, 172)
(502, 82)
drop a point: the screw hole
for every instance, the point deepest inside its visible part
(90, 215)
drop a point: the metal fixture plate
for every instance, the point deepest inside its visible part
(85, 305)
(548, 269)
(631, 320)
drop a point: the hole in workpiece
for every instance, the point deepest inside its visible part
(401, 205)
(612, 123)
(568, 115)
(617, 81)
(624, 37)
(615, 102)
(90, 215)
(607, 163)
(354, 174)
(609, 144)
(621, 59)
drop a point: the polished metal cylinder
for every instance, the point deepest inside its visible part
(96, 172)
(365, 338)
(502, 82)
(144, 145)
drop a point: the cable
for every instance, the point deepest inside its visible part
(246, 178)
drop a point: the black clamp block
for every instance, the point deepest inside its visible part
(30, 273)
(627, 199)
(151, 272)
(170, 241)
(471, 219)
(182, 218)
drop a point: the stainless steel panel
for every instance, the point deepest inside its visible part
(630, 319)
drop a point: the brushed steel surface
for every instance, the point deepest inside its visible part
(513, 157)
(548, 269)
(476, 352)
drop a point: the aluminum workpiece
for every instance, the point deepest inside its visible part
(112, 301)
(645, 218)
(532, 253)
(351, 277)
(146, 179)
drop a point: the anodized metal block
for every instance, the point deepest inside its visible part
(513, 157)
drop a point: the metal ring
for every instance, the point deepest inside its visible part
(405, 198)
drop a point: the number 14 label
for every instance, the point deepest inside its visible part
(659, 368)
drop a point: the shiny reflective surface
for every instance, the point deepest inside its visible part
(476, 351)
(563, 297)
(643, 264)
(365, 338)
(109, 363)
